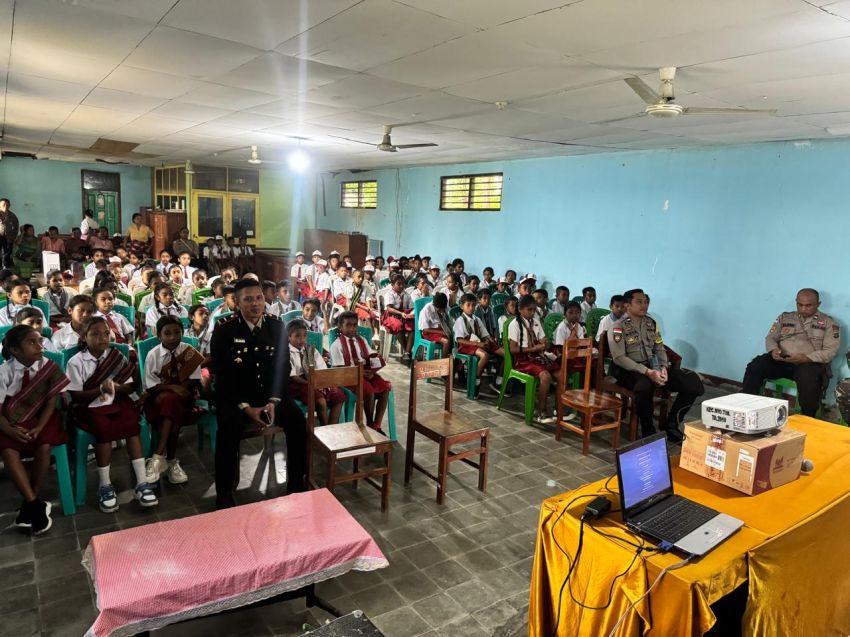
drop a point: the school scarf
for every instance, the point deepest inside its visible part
(114, 366)
(40, 388)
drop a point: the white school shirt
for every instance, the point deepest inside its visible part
(429, 318)
(585, 308)
(87, 225)
(298, 271)
(53, 302)
(120, 321)
(12, 375)
(315, 324)
(10, 311)
(338, 360)
(184, 295)
(465, 328)
(451, 296)
(65, 337)
(323, 282)
(187, 271)
(279, 308)
(541, 312)
(153, 314)
(502, 320)
(339, 287)
(203, 338)
(513, 331)
(557, 308)
(417, 294)
(606, 324)
(163, 268)
(563, 332)
(367, 292)
(48, 346)
(400, 302)
(298, 359)
(158, 358)
(90, 270)
(80, 367)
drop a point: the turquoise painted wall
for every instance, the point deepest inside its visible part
(288, 206)
(48, 193)
(721, 238)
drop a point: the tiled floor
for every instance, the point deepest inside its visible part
(461, 569)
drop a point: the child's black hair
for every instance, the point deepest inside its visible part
(314, 302)
(454, 277)
(218, 283)
(197, 306)
(562, 288)
(542, 291)
(296, 325)
(507, 272)
(396, 278)
(472, 278)
(165, 321)
(488, 269)
(26, 313)
(53, 273)
(572, 305)
(86, 326)
(282, 285)
(269, 285)
(14, 338)
(230, 289)
(511, 299)
(346, 316)
(440, 301)
(159, 288)
(526, 301)
(584, 291)
(14, 282)
(616, 298)
(484, 292)
(469, 298)
(420, 278)
(98, 290)
(102, 278)
(79, 299)
(6, 274)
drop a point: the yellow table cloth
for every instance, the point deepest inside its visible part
(793, 549)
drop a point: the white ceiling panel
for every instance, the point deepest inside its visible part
(56, 90)
(295, 109)
(90, 119)
(259, 23)
(464, 60)
(150, 83)
(148, 10)
(49, 62)
(433, 106)
(507, 123)
(226, 97)
(76, 140)
(195, 113)
(280, 74)
(199, 56)
(19, 132)
(486, 13)
(122, 101)
(249, 121)
(371, 33)
(148, 127)
(36, 112)
(361, 91)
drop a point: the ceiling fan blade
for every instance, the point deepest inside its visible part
(413, 145)
(348, 139)
(643, 90)
(622, 119)
(755, 112)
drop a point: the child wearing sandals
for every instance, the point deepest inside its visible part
(172, 382)
(29, 422)
(302, 357)
(101, 384)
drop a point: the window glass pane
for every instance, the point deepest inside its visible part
(471, 192)
(244, 217)
(210, 216)
(210, 178)
(359, 194)
(241, 180)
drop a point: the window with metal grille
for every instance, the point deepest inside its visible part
(359, 194)
(471, 192)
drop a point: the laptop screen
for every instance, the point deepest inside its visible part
(644, 471)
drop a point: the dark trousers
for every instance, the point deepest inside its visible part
(6, 249)
(686, 383)
(809, 377)
(232, 423)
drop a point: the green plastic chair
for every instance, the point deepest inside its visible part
(550, 325)
(498, 299)
(41, 304)
(206, 421)
(577, 299)
(383, 283)
(592, 320)
(366, 333)
(315, 339)
(499, 311)
(128, 312)
(212, 305)
(218, 317)
(432, 350)
(783, 387)
(139, 296)
(124, 297)
(290, 316)
(203, 293)
(509, 373)
(454, 313)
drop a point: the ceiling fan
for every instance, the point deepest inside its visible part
(386, 143)
(663, 103)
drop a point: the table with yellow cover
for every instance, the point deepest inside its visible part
(794, 552)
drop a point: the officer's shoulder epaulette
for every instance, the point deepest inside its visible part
(228, 319)
(270, 317)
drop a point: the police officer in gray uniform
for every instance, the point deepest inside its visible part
(640, 364)
(800, 345)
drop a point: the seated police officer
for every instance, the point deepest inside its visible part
(800, 345)
(640, 364)
(250, 360)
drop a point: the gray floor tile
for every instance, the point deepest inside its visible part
(21, 624)
(17, 575)
(439, 610)
(17, 599)
(447, 574)
(403, 621)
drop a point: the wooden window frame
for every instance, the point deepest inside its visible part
(359, 194)
(470, 190)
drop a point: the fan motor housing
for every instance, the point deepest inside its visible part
(664, 110)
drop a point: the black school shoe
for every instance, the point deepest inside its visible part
(40, 516)
(24, 519)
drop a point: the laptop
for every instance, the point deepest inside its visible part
(651, 509)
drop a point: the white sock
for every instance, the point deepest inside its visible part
(103, 474)
(139, 470)
(477, 382)
(172, 462)
(498, 380)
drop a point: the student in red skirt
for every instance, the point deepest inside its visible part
(434, 323)
(100, 388)
(398, 315)
(302, 357)
(351, 349)
(529, 348)
(29, 421)
(172, 382)
(472, 337)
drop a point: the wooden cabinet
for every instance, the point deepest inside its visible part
(273, 265)
(165, 225)
(355, 245)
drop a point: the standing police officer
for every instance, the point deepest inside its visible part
(640, 364)
(250, 360)
(800, 345)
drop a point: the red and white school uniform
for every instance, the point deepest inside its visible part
(400, 301)
(23, 393)
(434, 325)
(119, 326)
(163, 366)
(300, 361)
(347, 351)
(470, 328)
(529, 334)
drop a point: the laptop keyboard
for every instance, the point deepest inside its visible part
(677, 520)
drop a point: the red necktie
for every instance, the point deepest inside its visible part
(119, 337)
(185, 272)
(26, 379)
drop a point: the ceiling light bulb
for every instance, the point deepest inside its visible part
(298, 161)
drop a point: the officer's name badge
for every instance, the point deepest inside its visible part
(238, 340)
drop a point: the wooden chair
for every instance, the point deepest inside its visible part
(445, 429)
(588, 403)
(346, 440)
(663, 398)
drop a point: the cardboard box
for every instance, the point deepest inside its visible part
(752, 464)
(50, 261)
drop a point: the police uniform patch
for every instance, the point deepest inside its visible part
(618, 334)
(631, 340)
(834, 331)
(658, 339)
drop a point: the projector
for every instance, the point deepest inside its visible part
(745, 413)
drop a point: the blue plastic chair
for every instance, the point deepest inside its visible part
(366, 333)
(290, 316)
(41, 304)
(432, 350)
(316, 340)
(214, 303)
(218, 317)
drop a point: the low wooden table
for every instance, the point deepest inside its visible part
(158, 574)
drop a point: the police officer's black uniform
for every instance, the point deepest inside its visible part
(251, 367)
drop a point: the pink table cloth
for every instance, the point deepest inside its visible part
(158, 574)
